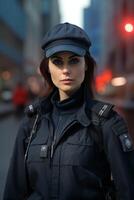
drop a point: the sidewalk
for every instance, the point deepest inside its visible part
(6, 109)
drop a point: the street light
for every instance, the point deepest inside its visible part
(118, 81)
(129, 27)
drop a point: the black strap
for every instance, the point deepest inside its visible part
(33, 131)
(100, 112)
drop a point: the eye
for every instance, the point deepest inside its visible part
(74, 61)
(57, 62)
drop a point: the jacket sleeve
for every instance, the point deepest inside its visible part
(120, 153)
(16, 187)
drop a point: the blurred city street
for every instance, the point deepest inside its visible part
(6, 109)
(8, 129)
(110, 27)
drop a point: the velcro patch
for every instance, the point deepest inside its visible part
(126, 142)
(121, 130)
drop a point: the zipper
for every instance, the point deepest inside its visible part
(52, 146)
(55, 143)
(54, 140)
(33, 131)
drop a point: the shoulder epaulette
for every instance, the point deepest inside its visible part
(102, 109)
(32, 109)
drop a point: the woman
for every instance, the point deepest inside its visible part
(76, 141)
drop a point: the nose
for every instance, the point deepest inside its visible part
(66, 69)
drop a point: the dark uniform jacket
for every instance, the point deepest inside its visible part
(68, 164)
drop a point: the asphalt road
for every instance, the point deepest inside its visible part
(8, 130)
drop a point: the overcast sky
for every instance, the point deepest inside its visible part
(72, 11)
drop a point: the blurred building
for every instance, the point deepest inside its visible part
(12, 35)
(115, 78)
(33, 34)
(41, 16)
(93, 27)
(50, 14)
(118, 43)
(22, 26)
(120, 58)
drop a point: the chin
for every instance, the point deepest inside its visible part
(70, 90)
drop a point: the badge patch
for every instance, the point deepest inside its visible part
(121, 131)
(126, 142)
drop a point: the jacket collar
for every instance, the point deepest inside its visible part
(82, 115)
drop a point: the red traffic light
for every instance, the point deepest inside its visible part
(129, 27)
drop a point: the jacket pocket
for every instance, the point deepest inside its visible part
(77, 154)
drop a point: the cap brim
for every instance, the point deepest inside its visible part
(71, 48)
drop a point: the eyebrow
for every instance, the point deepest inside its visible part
(55, 56)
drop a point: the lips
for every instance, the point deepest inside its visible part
(67, 81)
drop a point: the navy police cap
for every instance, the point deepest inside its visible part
(66, 37)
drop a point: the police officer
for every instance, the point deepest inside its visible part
(71, 144)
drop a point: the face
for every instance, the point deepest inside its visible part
(67, 72)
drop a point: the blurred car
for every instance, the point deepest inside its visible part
(6, 95)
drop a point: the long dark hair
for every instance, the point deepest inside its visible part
(89, 75)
